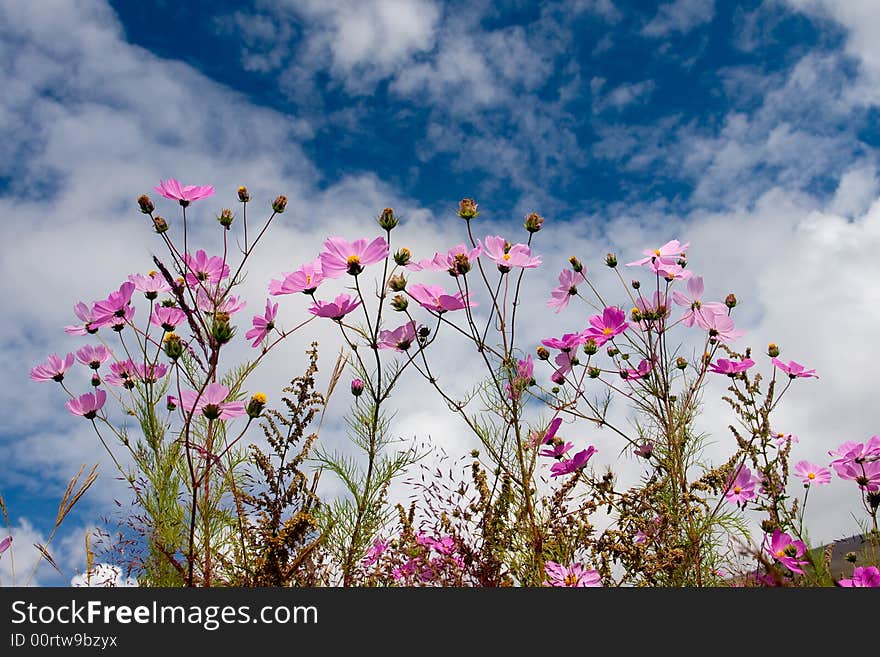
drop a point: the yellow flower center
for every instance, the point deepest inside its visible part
(506, 256)
(570, 580)
(308, 279)
(606, 331)
(259, 397)
(353, 260)
(152, 273)
(811, 475)
(737, 490)
(656, 252)
(780, 553)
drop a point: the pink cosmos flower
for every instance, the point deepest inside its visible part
(151, 284)
(525, 370)
(812, 473)
(149, 372)
(230, 305)
(603, 328)
(565, 361)
(741, 488)
(657, 308)
(212, 403)
(114, 308)
(698, 311)
(784, 438)
(262, 324)
(643, 370)
(93, 355)
(567, 288)
(568, 342)
(184, 194)
(434, 297)
(852, 453)
(122, 373)
(87, 405)
(376, 550)
(866, 474)
(668, 254)
(5, 543)
(674, 272)
(731, 367)
(644, 450)
(506, 256)
(168, 317)
(336, 309)
(399, 339)
(574, 575)
(456, 261)
(546, 437)
(204, 270)
(787, 552)
(863, 577)
(573, 464)
(340, 256)
(556, 450)
(306, 279)
(721, 327)
(86, 314)
(53, 369)
(794, 369)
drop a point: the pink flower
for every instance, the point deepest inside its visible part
(741, 488)
(88, 404)
(340, 256)
(851, 453)
(556, 450)
(722, 329)
(574, 575)
(230, 305)
(86, 314)
(183, 194)
(376, 550)
(785, 438)
(565, 361)
(698, 311)
(506, 256)
(399, 339)
(566, 343)
(674, 272)
(794, 369)
(5, 543)
(306, 279)
(787, 552)
(731, 367)
(573, 464)
(605, 327)
(262, 324)
(863, 576)
(203, 270)
(525, 370)
(656, 309)
(114, 308)
(668, 254)
(644, 450)
(122, 373)
(337, 309)
(151, 284)
(168, 317)
(53, 369)
(212, 403)
(546, 437)
(643, 370)
(93, 355)
(149, 372)
(567, 288)
(812, 473)
(434, 297)
(866, 474)
(456, 261)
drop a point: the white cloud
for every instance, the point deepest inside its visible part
(679, 16)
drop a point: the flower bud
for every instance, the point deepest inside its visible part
(145, 204)
(635, 284)
(624, 356)
(873, 499)
(279, 204)
(611, 260)
(852, 557)
(172, 346)
(624, 374)
(256, 405)
(170, 402)
(424, 331)
(399, 302)
(576, 265)
(681, 363)
(357, 387)
(635, 314)
(613, 351)
(593, 372)
(221, 331)
(160, 224)
(543, 353)
(467, 209)
(768, 526)
(534, 222)
(461, 265)
(387, 220)
(590, 347)
(772, 350)
(243, 194)
(402, 256)
(397, 283)
(96, 379)
(555, 390)
(730, 300)
(226, 218)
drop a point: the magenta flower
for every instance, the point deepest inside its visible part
(5, 543)
(731, 367)
(698, 311)
(643, 370)
(863, 577)
(114, 308)
(86, 314)
(567, 288)
(741, 488)
(168, 317)
(376, 550)
(230, 305)
(506, 255)
(122, 373)
(787, 552)
(87, 405)
(794, 369)
(53, 369)
(568, 342)
(212, 403)
(604, 327)
(525, 370)
(853, 453)
(546, 437)
(399, 339)
(456, 261)
(721, 328)
(866, 474)
(93, 355)
(336, 309)
(812, 473)
(556, 450)
(151, 284)
(574, 575)
(262, 324)
(184, 194)
(340, 256)
(668, 254)
(573, 464)
(202, 269)
(306, 279)
(149, 372)
(434, 297)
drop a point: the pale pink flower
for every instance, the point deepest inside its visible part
(306, 279)
(168, 317)
(87, 405)
(53, 369)
(434, 297)
(399, 339)
(674, 272)
(812, 473)
(184, 194)
(731, 367)
(698, 311)
(794, 369)
(204, 270)
(231, 304)
(721, 328)
(456, 261)
(115, 307)
(212, 402)
(151, 284)
(508, 256)
(263, 324)
(784, 438)
(573, 575)
(86, 314)
(336, 309)
(93, 355)
(852, 453)
(567, 288)
(150, 372)
(668, 254)
(566, 343)
(340, 256)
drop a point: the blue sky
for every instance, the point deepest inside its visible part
(748, 128)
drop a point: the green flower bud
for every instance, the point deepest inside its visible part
(387, 220)
(402, 256)
(611, 260)
(145, 204)
(279, 204)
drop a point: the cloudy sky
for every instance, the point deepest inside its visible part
(748, 128)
